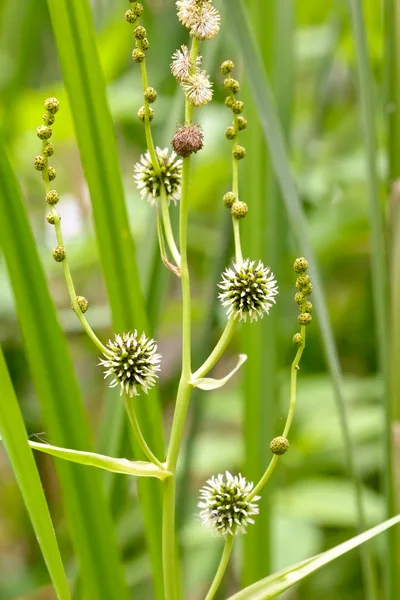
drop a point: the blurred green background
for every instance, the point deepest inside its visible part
(311, 497)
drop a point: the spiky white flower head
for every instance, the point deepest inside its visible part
(200, 16)
(182, 63)
(224, 504)
(133, 362)
(248, 290)
(198, 88)
(149, 183)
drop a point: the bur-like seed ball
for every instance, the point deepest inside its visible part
(39, 162)
(307, 289)
(52, 105)
(242, 123)
(239, 152)
(82, 303)
(52, 197)
(139, 32)
(297, 339)
(138, 8)
(59, 253)
(300, 265)
(304, 318)
(145, 44)
(48, 118)
(150, 95)
(239, 210)
(237, 107)
(227, 67)
(48, 150)
(44, 132)
(232, 85)
(229, 101)
(142, 113)
(279, 445)
(230, 133)
(188, 140)
(138, 55)
(130, 16)
(51, 173)
(309, 307)
(50, 218)
(229, 198)
(302, 281)
(299, 298)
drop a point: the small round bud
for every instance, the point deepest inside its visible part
(227, 67)
(307, 289)
(145, 44)
(138, 55)
(39, 162)
(43, 132)
(232, 85)
(229, 198)
(302, 281)
(139, 32)
(59, 253)
(237, 107)
(52, 105)
(239, 210)
(188, 140)
(300, 265)
(142, 114)
(138, 8)
(130, 16)
(48, 118)
(52, 197)
(150, 95)
(51, 173)
(242, 123)
(82, 303)
(239, 152)
(279, 445)
(48, 150)
(50, 218)
(297, 339)
(229, 101)
(299, 297)
(304, 318)
(309, 307)
(230, 133)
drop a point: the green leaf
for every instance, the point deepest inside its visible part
(84, 81)
(208, 383)
(89, 520)
(14, 435)
(138, 468)
(276, 584)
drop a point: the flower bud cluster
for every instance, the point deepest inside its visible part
(304, 289)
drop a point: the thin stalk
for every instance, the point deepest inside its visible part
(168, 539)
(138, 433)
(235, 189)
(218, 351)
(221, 567)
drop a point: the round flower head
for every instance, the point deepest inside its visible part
(248, 290)
(148, 182)
(132, 361)
(198, 88)
(200, 16)
(224, 505)
(182, 63)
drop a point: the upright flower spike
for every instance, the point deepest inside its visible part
(248, 290)
(132, 361)
(149, 183)
(224, 505)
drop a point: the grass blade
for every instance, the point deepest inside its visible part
(275, 139)
(84, 81)
(59, 395)
(15, 438)
(276, 584)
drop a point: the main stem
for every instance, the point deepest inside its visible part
(221, 567)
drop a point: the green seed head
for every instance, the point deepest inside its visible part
(302, 281)
(39, 162)
(279, 445)
(48, 150)
(231, 85)
(145, 43)
(309, 307)
(239, 152)
(51, 173)
(139, 32)
(242, 123)
(138, 8)
(229, 101)
(304, 318)
(297, 339)
(59, 253)
(44, 132)
(82, 303)
(150, 95)
(307, 289)
(142, 114)
(48, 118)
(130, 16)
(52, 105)
(300, 265)
(227, 67)
(230, 132)
(138, 55)
(237, 107)
(50, 218)
(229, 198)
(239, 210)
(299, 297)
(52, 197)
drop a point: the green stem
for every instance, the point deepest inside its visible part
(221, 567)
(168, 539)
(138, 432)
(169, 235)
(218, 350)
